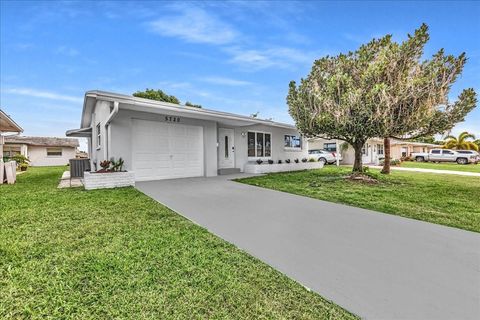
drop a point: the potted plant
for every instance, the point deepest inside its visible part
(296, 160)
(279, 161)
(270, 161)
(304, 160)
(259, 161)
(23, 166)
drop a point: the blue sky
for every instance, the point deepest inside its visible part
(233, 56)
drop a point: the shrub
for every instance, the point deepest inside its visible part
(116, 166)
(270, 161)
(312, 160)
(296, 160)
(304, 160)
(19, 159)
(259, 161)
(287, 161)
(279, 161)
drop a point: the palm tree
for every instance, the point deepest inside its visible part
(461, 143)
(477, 142)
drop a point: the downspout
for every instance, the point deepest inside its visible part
(107, 128)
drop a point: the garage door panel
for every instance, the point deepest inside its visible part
(165, 151)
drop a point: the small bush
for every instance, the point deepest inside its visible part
(279, 161)
(312, 160)
(296, 160)
(270, 161)
(287, 161)
(259, 161)
(304, 160)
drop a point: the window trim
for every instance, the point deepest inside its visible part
(271, 145)
(380, 147)
(98, 129)
(300, 148)
(54, 155)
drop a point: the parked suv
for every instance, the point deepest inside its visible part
(325, 156)
(445, 155)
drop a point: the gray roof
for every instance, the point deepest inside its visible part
(42, 141)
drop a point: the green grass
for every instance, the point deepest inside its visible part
(444, 199)
(442, 166)
(118, 254)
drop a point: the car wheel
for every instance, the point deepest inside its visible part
(322, 160)
(420, 159)
(462, 161)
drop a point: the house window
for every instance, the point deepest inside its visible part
(332, 147)
(365, 149)
(54, 152)
(380, 149)
(226, 147)
(259, 144)
(292, 142)
(99, 136)
(9, 152)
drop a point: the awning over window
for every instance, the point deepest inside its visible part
(80, 133)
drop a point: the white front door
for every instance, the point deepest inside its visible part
(226, 148)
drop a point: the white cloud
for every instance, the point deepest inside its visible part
(281, 57)
(194, 25)
(226, 81)
(42, 94)
(67, 51)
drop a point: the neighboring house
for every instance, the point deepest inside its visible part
(373, 150)
(42, 151)
(160, 140)
(7, 125)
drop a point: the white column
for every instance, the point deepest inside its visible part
(337, 146)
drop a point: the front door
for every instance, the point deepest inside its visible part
(226, 148)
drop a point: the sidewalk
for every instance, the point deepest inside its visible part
(460, 173)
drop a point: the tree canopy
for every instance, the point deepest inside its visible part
(158, 95)
(462, 142)
(382, 89)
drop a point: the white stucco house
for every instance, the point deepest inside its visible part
(160, 140)
(41, 151)
(373, 150)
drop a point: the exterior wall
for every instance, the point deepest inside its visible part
(121, 137)
(100, 115)
(38, 156)
(278, 150)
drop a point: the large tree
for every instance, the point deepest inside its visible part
(412, 94)
(380, 90)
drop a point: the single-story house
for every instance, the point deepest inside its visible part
(373, 150)
(7, 125)
(160, 140)
(41, 151)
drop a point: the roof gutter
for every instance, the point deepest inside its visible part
(107, 127)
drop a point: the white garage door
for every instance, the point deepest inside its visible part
(166, 150)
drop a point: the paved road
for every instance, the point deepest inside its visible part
(458, 173)
(378, 266)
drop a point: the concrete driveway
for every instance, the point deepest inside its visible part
(378, 266)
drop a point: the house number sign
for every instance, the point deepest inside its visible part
(172, 119)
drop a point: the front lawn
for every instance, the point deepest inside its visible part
(442, 166)
(444, 199)
(116, 253)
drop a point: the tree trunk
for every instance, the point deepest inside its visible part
(357, 165)
(386, 150)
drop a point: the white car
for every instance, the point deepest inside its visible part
(325, 156)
